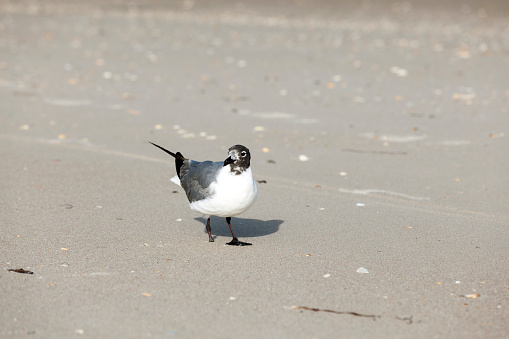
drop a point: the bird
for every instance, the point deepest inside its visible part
(223, 189)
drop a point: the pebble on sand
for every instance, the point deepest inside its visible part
(362, 270)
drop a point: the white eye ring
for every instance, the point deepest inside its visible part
(243, 153)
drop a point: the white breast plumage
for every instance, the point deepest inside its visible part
(232, 194)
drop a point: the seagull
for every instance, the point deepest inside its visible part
(223, 189)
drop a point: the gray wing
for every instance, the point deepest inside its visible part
(196, 177)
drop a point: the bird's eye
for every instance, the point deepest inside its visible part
(243, 153)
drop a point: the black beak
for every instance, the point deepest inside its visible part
(228, 161)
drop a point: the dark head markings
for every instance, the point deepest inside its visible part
(239, 159)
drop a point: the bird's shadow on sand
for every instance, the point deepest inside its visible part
(243, 228)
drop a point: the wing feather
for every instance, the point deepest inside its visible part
(196, 178)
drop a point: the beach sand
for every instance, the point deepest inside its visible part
(379, 137)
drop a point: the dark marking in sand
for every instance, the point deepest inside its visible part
(374, 317)
(261, 181)
(408, 320)
(20, 270)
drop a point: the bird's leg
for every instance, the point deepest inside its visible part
(228, 220)
(235, 241)
(209, 230)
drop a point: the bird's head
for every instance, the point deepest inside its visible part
(239, 159)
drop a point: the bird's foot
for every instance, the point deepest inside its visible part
(236, 242)
(211, 239)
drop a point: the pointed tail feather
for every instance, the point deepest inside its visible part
(178, 156)
(179, 159)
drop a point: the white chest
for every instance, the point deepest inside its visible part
(232, 194)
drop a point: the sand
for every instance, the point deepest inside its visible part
(378, 132)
